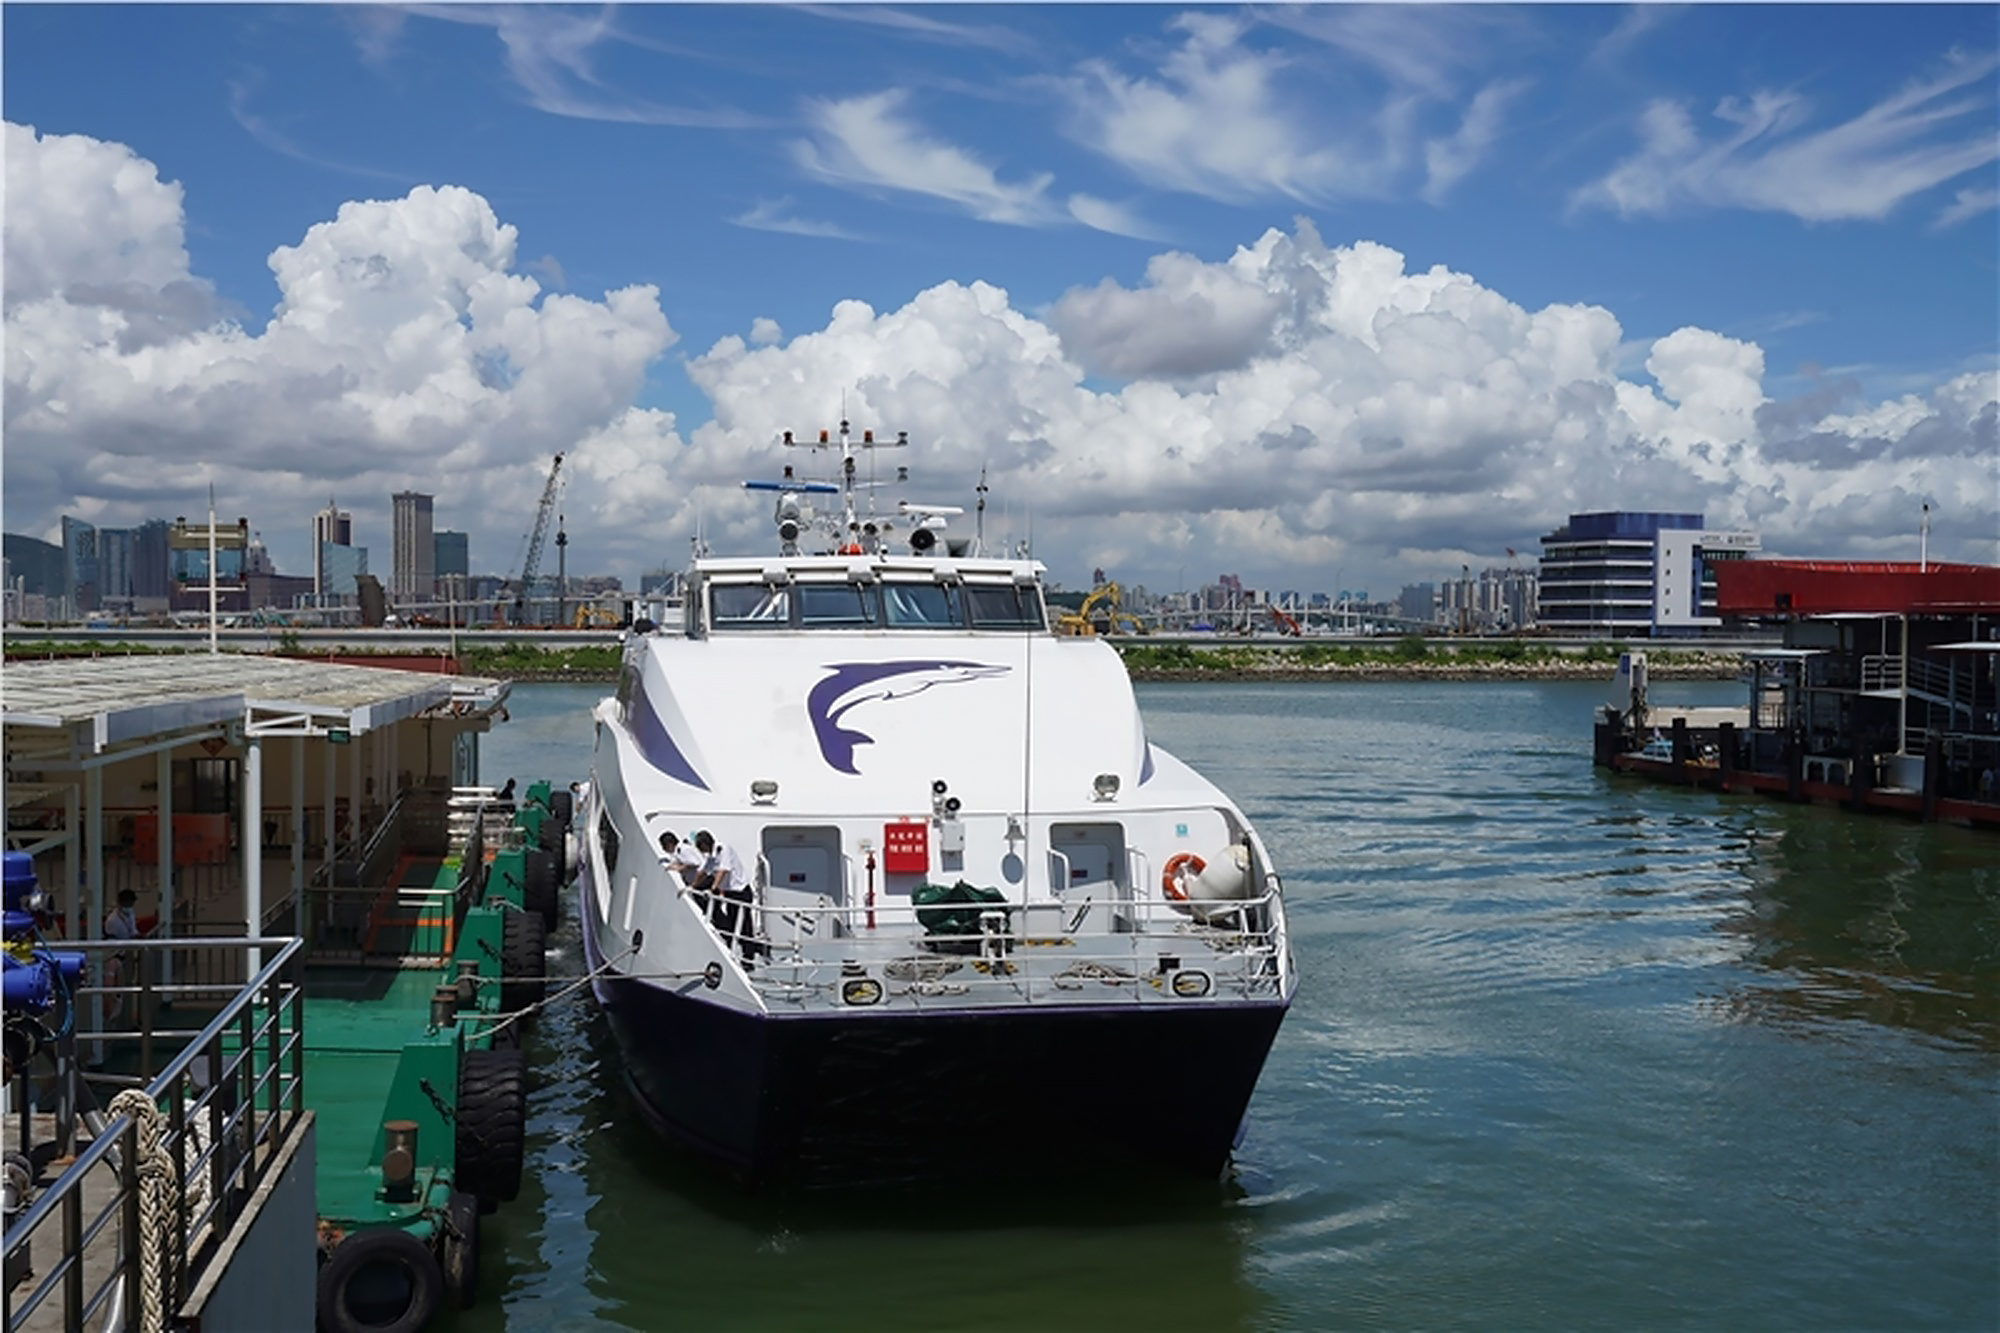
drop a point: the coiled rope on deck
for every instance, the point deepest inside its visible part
(157, 1188)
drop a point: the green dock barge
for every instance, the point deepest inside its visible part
(416, 997)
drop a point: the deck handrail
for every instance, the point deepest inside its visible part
(204, 1139)
(1257, 939)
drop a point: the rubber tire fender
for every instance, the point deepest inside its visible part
(538, 886)
(458, 1249)
(523, 960)
(363, 1250)
(563, 807)
(491, 1125)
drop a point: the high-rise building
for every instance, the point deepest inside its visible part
(340, 566)
(152, 568)
(79, 543)
(35, 564)
(114, 567)
(331, 526)
(412, 550)
(453, 555)
(257, 558)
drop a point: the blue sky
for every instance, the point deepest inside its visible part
(1353, 293)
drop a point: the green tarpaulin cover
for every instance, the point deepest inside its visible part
(953, 910)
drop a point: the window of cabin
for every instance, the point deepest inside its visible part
(749, 606)
(922, 605)
(1003, 606)
(837, 605)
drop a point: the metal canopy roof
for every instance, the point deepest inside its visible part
(125, 699)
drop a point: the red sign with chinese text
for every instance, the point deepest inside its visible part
(906, 847)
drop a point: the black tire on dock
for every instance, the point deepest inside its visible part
(458, 1249)
(381, 1278)
(492, 1120)
(539, 890)
(523, 960)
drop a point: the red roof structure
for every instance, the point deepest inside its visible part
(1864, 587)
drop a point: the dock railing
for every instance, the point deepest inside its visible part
(221, 1116)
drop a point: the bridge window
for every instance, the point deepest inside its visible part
(749, 606)
(1004, 606)
(837, 605)
(921, 605)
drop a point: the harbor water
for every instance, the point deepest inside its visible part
(1570, 1051)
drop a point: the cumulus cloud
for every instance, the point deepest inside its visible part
(1926, 134)
(1301, 404)
(1190, 318)
(404, 353)
(1291, 409)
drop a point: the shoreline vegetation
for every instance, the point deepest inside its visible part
(1410, 658)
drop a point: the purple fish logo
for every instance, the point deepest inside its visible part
(851, 684)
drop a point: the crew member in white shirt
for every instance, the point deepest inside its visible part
(723, 877)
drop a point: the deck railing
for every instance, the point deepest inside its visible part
(1032, 955)
(231, 1099)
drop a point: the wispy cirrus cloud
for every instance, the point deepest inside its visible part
(776, 215)
(1356, 114)
(1968, 204)
(1635, 24)
(1449, 160)
(1216, 121)
(1117, 219)
(925, 26)
(870, 142)
(550, 56)
(1431, 50)
(1926, 134)
(243, 92)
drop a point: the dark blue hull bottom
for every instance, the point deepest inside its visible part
(884, 1098)
(877, 1098)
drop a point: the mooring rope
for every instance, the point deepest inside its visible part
(508, 1020)
(157, 1188)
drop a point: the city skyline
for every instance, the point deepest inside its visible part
(1343, 289)
(1495, 597)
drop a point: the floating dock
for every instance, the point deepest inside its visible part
(1884, 696)
(291, 1099)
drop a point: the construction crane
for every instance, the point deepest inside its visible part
(531, 565)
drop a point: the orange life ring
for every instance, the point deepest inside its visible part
(1170, 878)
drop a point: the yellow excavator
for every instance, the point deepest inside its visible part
(1088, 619)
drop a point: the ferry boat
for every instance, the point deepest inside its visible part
(981, 923)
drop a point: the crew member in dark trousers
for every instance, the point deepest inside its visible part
(727, 883)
